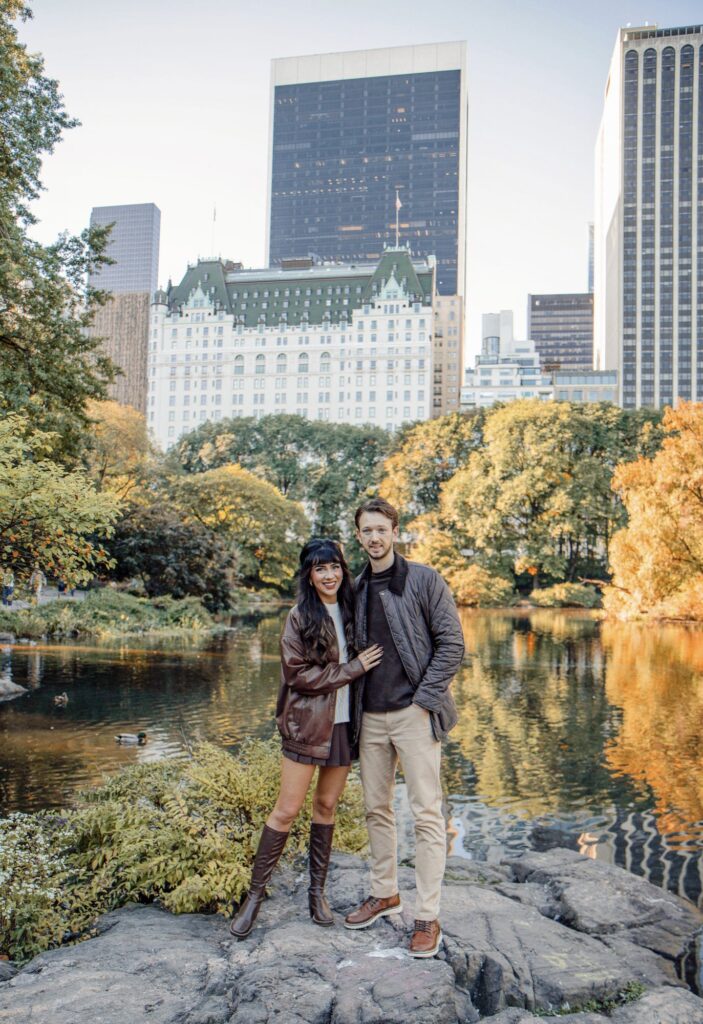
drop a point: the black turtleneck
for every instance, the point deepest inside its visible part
(387, 686)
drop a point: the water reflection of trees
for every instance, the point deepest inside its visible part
(533, 711)
(655, 676)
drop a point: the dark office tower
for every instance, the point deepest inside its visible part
(347, 131)
(132, 279)
(649, 217)
(561, 327)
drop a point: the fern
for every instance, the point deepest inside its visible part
(180, 831)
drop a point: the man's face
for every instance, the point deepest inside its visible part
(376, 534)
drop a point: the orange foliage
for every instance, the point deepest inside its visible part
(657, 560)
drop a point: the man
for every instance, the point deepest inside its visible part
(404, 711)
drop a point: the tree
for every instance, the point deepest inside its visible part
(657, 559)
(426, 456)
(49, 515)
(173, 557)
(48, 365)
(471, 584)
(119, 453)
(535, 501)
(264, 529)
(329, 467)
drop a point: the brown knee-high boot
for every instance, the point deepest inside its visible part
(270, 849)
(320, 849)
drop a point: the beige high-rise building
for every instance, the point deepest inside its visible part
(448, 356)
(131, 279)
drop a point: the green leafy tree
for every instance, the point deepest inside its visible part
(425, 456)
(535, 501)
(330, 467)
(49, 515)
(173, 557)
(264, 529)
(48, 365)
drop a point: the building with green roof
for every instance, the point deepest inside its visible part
(329, 341)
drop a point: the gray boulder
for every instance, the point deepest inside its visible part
(601, 899)
(502, 958)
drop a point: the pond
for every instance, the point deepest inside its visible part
(572, 731)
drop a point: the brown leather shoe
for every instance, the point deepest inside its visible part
(426, 939)
(371, 909)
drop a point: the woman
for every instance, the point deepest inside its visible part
(313, 717)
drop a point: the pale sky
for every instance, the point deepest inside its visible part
(173, 100)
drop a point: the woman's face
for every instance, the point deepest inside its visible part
(326, 578)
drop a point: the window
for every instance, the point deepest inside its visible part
(303, 362)
(238, 366)
(281, 362)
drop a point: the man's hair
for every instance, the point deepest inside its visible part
(377, 505)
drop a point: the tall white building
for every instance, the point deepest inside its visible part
(506, 369)
(648, 316)
(349, 344)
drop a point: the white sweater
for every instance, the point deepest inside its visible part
(341, 713)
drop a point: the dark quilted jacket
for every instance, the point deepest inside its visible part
(425, 627)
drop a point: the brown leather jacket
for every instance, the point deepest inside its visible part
(307, 695)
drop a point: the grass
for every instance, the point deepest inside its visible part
(107, 613)
(633, 991)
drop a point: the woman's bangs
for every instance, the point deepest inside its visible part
(326, 552)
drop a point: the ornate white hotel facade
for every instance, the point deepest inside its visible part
(347, 344)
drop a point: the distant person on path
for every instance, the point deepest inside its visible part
(8, 587)
(316, 701)
(37, 582)
(404, 712)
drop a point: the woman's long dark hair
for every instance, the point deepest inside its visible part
(317, 628)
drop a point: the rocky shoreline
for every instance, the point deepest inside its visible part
(543, 933)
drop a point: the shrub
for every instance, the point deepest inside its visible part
(107, 613)
(476, 587)
(181, 831)
(567, 595)
(32, 871)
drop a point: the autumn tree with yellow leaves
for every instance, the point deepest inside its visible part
(265, 530)
(49, 516)
(533, 501)
(657, 559)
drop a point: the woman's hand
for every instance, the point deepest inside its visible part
(371, 657)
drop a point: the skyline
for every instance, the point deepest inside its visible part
(180, 118)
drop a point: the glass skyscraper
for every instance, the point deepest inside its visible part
(349, 131)
(134, 246)
(649, 217)
(561, 327)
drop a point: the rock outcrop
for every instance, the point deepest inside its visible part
(542, 932)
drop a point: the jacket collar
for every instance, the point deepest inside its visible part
(399, 575)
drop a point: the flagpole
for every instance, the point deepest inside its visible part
(397, 217)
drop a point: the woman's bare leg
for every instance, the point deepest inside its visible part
(330, 786)
(295, 782)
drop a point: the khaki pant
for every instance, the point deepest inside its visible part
(387, 737)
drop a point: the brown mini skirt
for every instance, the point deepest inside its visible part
(341, 755)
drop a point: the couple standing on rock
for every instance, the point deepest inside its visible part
(365, 672)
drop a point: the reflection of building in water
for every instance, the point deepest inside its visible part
(35, 670)
(634, 842)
